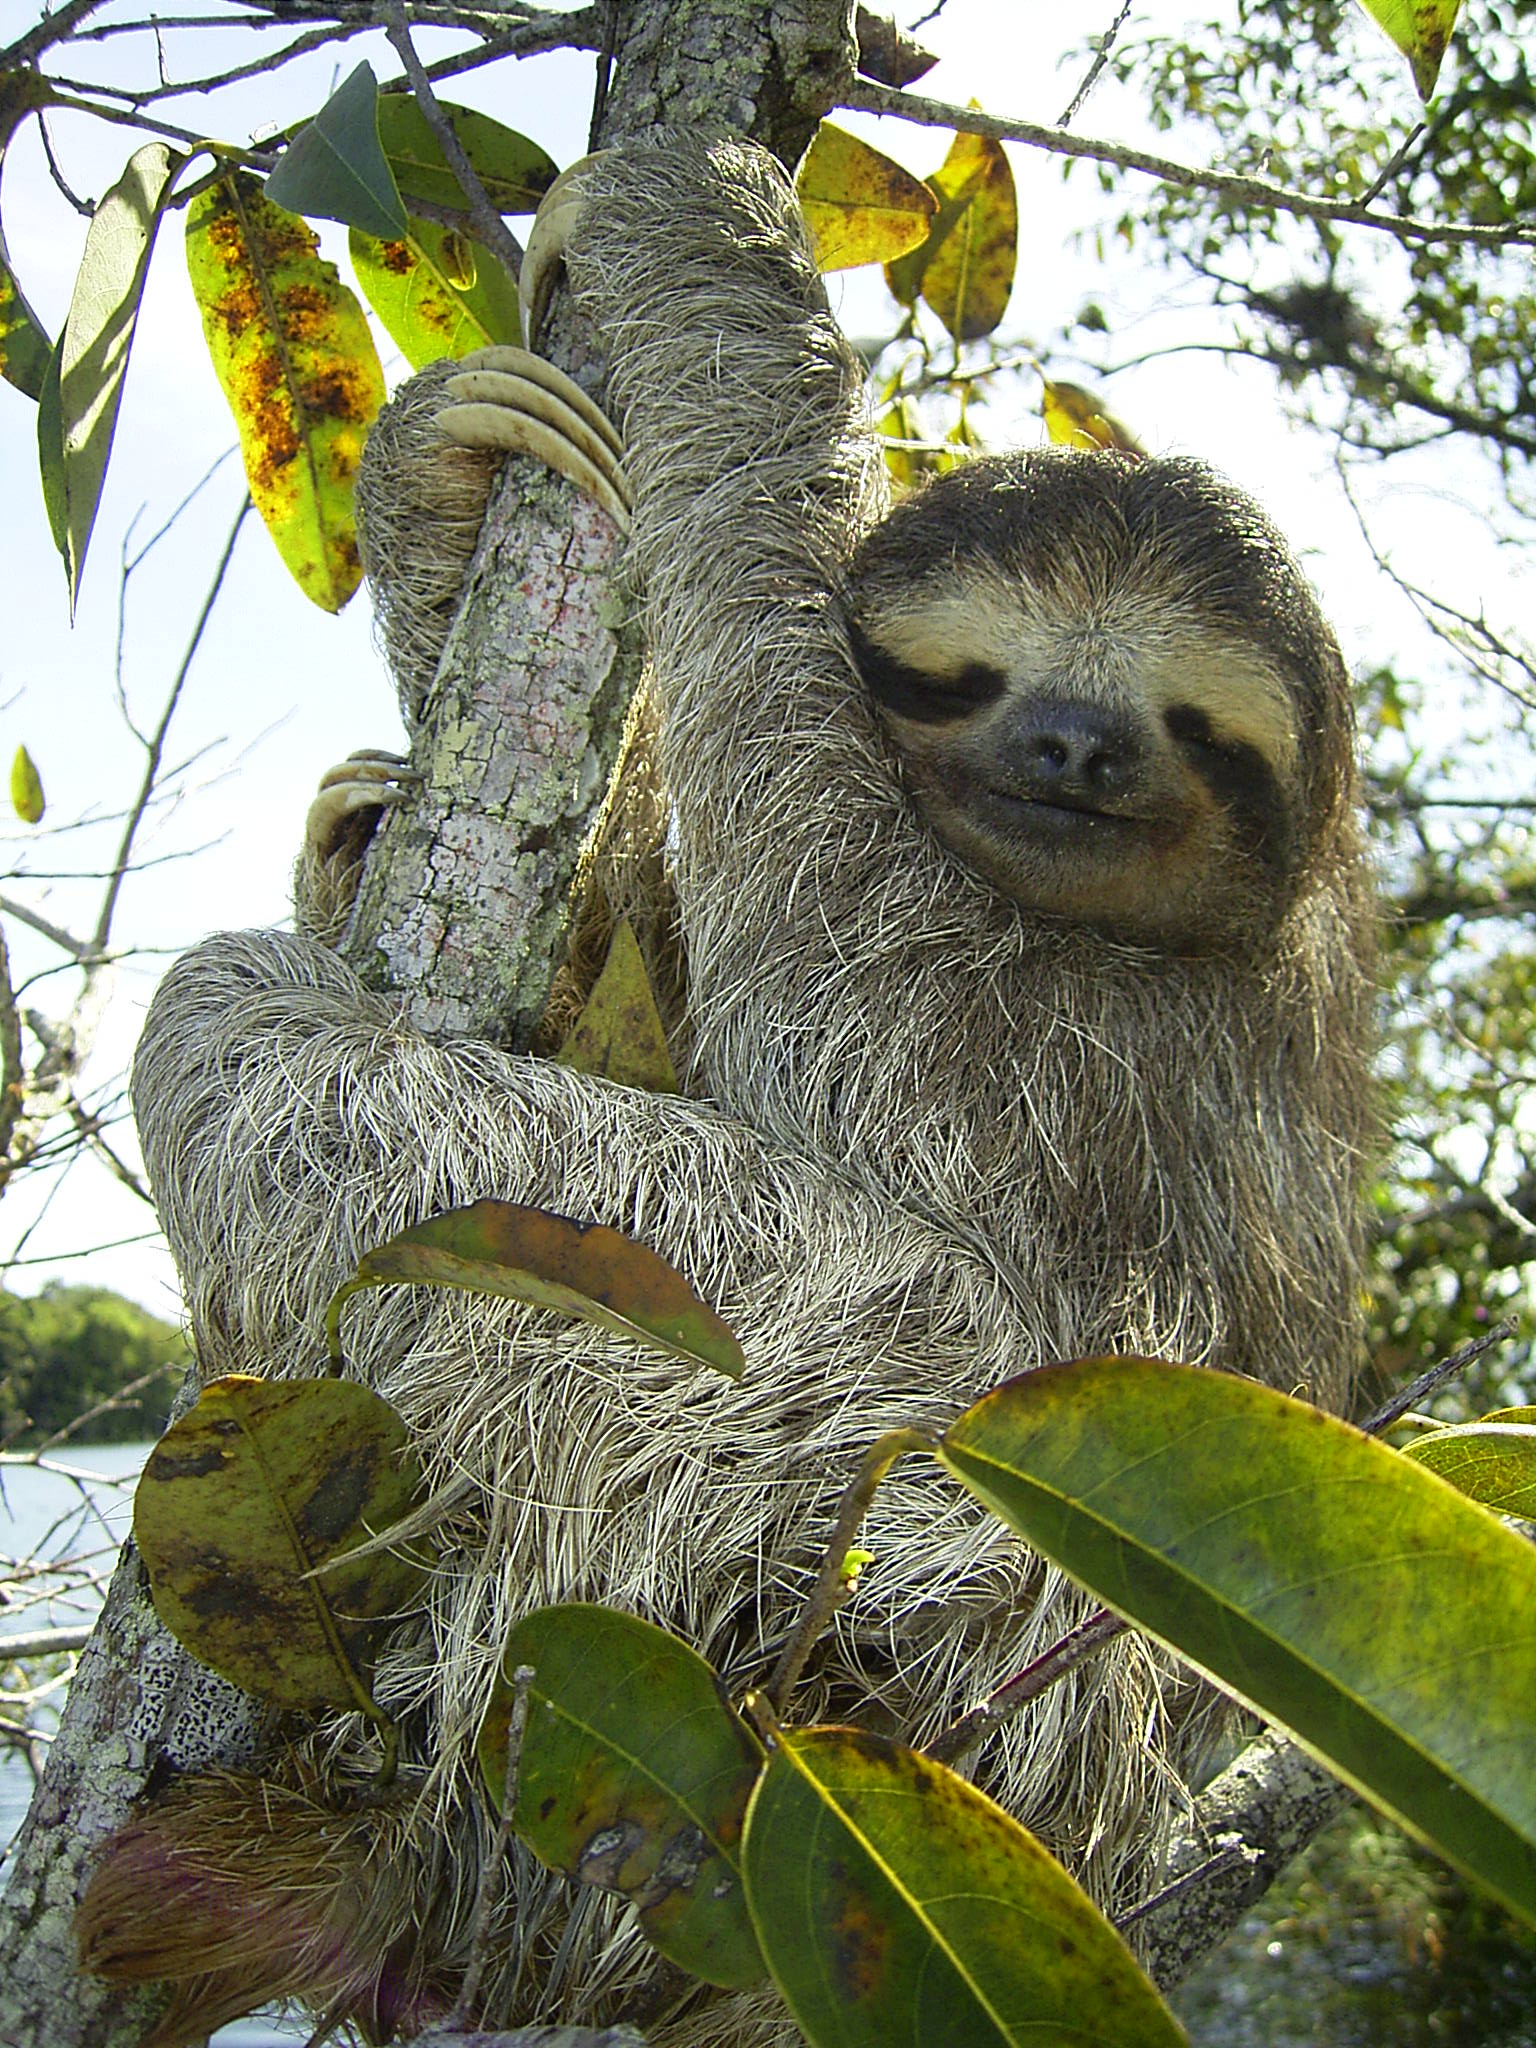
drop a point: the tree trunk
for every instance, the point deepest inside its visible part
(462, 915)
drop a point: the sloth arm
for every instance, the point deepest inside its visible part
(753, 472)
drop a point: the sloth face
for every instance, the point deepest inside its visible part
(1111, 692)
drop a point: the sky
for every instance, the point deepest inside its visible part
(278, 690)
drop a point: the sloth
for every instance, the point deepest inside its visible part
(1027, 937)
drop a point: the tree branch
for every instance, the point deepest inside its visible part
(869, 98)
(489, 225)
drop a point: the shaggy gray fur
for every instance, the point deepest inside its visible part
(933, 1141)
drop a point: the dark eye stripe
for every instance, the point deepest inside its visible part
(1240, 779)
(916, 694)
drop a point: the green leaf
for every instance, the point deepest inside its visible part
(1421, 29)
(515, 172)
(1332, 1584)
(895, 1903)
(437, 292)
(26, 788)
(242, 1502)
(291, 349)
(859, 205)
(581, 1269)
(1491, 1462)
(24, 345)
(634, 1775)
(93, 349)
(50, 452)
(619, 1033)
(336, 168)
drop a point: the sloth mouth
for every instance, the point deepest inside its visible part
(1061, 815)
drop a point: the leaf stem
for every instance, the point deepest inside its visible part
(829, 1592)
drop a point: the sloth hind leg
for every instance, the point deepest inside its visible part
(508, 400)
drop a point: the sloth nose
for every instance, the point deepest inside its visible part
(1060, 747)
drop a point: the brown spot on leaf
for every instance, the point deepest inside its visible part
(860, 1942)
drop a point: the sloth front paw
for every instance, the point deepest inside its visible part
(341, 821)
(511, 401)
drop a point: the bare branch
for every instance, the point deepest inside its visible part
(12, 1079)
(870, 98)
(90, 1128)
(155, 747)
(963, 1735)
(42, 1642)
(489, 225)
(1259, 1813)
(1447, 1368)
(57, 27)
(78, 949)
(1091, 77)
(82, 206)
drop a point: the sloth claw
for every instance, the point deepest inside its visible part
(366, 781)
(553, 226)
(510, 400)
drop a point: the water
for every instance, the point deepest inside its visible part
(71, 1517)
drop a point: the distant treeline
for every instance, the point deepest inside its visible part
(68, 1349)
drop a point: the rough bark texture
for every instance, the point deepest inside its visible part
(463, 907)
(494, 858)
(1261, 1811)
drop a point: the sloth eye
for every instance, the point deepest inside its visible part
(920, 695)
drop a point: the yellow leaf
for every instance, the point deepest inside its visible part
(433, 295)
(618, 1034)
(859, 206)
(292, 351)
(26, 788)
(1077, 418)
(965, 268)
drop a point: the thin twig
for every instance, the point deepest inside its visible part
(89, 1128)
(77, 949)
(1063, 1656)
(489, 225)
(1426, 1382)
(12, 1074)
(112, 1405)
(44, 1642)
(493, 1867)
(1232, 1852)
(56, 27)
(1393, 165)
(1100, 58)
(869, 98)
(155, 747)
(82, 206)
